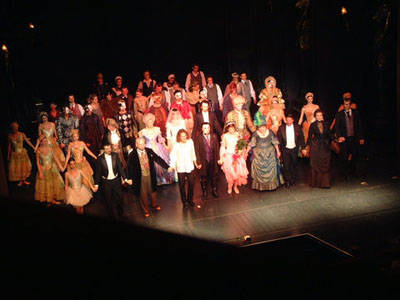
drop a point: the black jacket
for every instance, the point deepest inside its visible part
(102, 169)
(340, 124)
(214, 124)
(200, 151)
(298, 137)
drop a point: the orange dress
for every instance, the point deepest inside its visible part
(19, 165)
(81, 162)
(53, 143)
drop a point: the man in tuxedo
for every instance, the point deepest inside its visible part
(349, 130)
(142, 172)
(290, 136)
(206, 116)
(207, 152)
(110, 174)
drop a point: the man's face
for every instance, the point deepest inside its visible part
(140, 144)
(196, 69)
(119, 82)
(71, 99)
(289, 121)
(125, 91)
(109, 97)
(146, 75)
(346, 104)
(210, 80)
(206, 129)
(175, 87)
(139, 94)
(107, 149)
(178, 96)
(171, 79)
(243, 76)
(204, 107)
(66, 110)
(122, 105)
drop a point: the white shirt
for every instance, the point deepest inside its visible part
(205, 117)
(182, 157)
(111, 174)
(290, 141)
(114, 137)
(345, 111)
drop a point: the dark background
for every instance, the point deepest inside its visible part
(73, 40)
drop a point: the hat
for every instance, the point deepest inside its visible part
(171, 76)
(347, 95)
(259, 121)
(239, 100)
(309, 94)
(118, 77)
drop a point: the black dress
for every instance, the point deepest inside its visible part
(319, 140)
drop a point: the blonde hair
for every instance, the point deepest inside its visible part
(112, 122)
(148, 116)
(239, 100)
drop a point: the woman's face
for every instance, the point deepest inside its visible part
(319, 116)
(178, 96)
(44, 141)
(95, 100)
(274, 104)
(14, 128)
(44, 119)
(183, 137)
(262, 129)
(75, 137)
(238, 106)
(310, 99)
(150, 122)
(72, 165)
(231, 129)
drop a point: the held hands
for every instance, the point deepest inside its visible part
(304, 152)
(220, 162)
(170, 169)
(128, 181)
(95, 188)
(342, 139)
(62, 145)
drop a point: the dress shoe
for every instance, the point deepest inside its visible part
(215, 194)
(147, 215)
(287, 185)
(157, 207)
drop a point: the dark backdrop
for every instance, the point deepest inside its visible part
(73, 40)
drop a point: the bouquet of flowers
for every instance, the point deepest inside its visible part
(240, 146)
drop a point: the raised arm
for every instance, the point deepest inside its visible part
(87, 150)
(301, 117)
(28, 141)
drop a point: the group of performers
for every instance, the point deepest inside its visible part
(167, 134)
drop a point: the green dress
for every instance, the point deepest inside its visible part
(264, 168)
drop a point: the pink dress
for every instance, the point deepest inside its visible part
(234, 164)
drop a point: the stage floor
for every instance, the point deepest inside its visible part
(349, 215)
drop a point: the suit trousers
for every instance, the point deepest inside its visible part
(210, 175)
(113, 197)
(347, 148)
(182, 179)
(290, 159)
(146, 190)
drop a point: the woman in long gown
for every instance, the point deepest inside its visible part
(264, 169)
(19, 164)
(308, 112)
(318, 144)
(175, 122)
(156, 142)
(161, 114)
(232, 160)
(77, 194)
(49, 186)
(49, 130)
(270, 91)
(75, 150)
(275, 116)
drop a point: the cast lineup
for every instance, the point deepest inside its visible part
(166, 134)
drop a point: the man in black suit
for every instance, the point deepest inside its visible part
(349, 130)
(290, 136)
(205, 115)
(109, 173)
(143, 174)
(207, 152)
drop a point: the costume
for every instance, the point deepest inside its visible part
(91, 131)
(19, 165)
(209, 117)
(242, 121)
(77, 194)
(161, 114)
(245, 89)
(51, 186)
(264, 170)
(154, 141)
(50, 133)
(319, 139)
(109, 108)
(127, 125)
(82, 164)
(269, 91)
(140, 107)
(234, 164)
(65, 129)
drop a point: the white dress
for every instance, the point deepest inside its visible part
(172, 131)
(77, 194)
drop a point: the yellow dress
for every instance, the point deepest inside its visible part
(81, 162)
(19, 165)
(51, 187)
(53, 143)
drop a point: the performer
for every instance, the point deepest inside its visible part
(156, 142)
(353, 105)
(227, 105)
(66, 125)
(113, 136)
(93, 101)
(109, 107)
(245, 89)
(207, 151)
(271, 90)
(77, 193)
(275, 115)
(241, 118)
(75, 150)
(235, 80)
(126, 124)
(117, 89)
(205, 115)
(290, 138)
(196, 76)
(127, 98)
(19, 164)
(348, 128)
(160, 113)
(91, 129)
(264, 170)
(75, 108)
(49, 130)
(318, 145)
(147, 85)
(49, 186)
(140, 107)
(100, 87)
(142, 172)
(175, 87)
(193, 97)
(53, 114)
(109, 173)
(233, 161)
(185, 110)
(308, 111)
(183, 160)
(215, 97)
